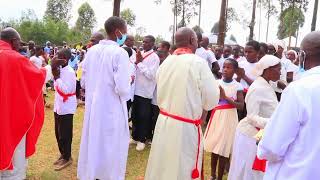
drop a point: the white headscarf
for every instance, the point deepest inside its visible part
(280, 43)
(264, 63)
(294, 52)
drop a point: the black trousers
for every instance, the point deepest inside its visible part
(63, 129)
(78, 88)
(141, 123)
(154, 116)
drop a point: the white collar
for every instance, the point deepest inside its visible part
(151, 50)
(108, 42)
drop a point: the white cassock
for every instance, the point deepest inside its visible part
(186, 86)
(105, 134)
(261, 102)
(291, 142)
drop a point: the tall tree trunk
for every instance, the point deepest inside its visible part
(297, 36)
(183, 14)
(267, 33)
(260, 11)
(222, 23)
(116, 7)
(251, 26)
(291, 24)
(174, 27)
(314, 17)
(200, 3)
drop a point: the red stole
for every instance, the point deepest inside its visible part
(21, 104)
(181, 51)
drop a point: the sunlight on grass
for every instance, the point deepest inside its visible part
(40, 165)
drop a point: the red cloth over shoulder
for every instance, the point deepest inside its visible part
(21, 103)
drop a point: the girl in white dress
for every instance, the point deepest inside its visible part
(221, 128)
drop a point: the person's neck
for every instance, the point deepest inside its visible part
(265, 77)
(227, 80)
(236, 56)
(111, 38)
(279, 56)
(146, 50)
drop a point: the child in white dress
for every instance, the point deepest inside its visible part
(222, 125)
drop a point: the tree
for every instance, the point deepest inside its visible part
(159, 38)
(86, 19)
(215, 28)
(116, 7)
(271, 11)
(233, 38)
(292, 18)
(197, 29)
(253, 17)
(314, 16)
(128, 16)
(58, 10)
(222, 23)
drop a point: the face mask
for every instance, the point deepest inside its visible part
(122, 40)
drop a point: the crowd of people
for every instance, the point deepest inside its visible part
(257, 105)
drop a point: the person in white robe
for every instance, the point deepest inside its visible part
(105, 134)
(291, 142)
(186, 87)
(261, 102)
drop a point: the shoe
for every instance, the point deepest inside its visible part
(132, 141)
(140, 146)
(63, 164)
(58, 161)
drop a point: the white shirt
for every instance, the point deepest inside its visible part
(145, 75)
(36, 61)
(67, 84)
(291, 142)
(221, 62)
(205, 54)
(248, 67)
(286, 66)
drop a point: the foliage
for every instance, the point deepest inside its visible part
(186, 9)
(232, 16)
(58, 10)
(233, 38)
(159, 38)
(128, 16)
(197, 29)
(85, 21)
(292, 19)
(215, 28)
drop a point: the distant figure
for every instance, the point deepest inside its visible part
(31, 49)
(213, 63)
(263, 50)
(36, 59)
(95, 38)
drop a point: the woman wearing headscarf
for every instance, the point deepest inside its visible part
(261, 101)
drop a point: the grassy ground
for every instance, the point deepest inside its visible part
(40, 165)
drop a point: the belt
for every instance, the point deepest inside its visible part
(220, 107)
(195, 172)
(64, 95)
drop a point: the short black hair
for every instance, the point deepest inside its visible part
(39, 48)
(8, 34)
(264, 46)
(151, 38)
(66, 52)
(233, 62)
(114, 23)
(129, 51)
(199, 36)
(254, 44)
(227, 46)
(165, 44)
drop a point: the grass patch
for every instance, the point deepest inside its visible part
(40, 165)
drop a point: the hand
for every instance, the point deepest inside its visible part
(222, 93)
(281, 85)
(56, 73)
(132, 79)
(139, 57)
(240, 73)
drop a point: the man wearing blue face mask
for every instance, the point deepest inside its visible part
(106, 79)
(147, 65)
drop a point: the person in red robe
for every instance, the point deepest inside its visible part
(21, 106)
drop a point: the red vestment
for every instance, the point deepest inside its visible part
(21, 104)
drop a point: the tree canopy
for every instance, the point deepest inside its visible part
(58, 10)
(128, 16)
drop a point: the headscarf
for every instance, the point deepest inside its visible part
(279, 43)
(294, 52)
(264, 63)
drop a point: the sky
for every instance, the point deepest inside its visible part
(156, 19)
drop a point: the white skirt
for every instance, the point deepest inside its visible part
(243, 155)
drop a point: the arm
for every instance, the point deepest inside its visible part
(247, 79)
(282, 128)
(122, 75)
(150, 71)
(239, 103)
(68, 85)
(216, 69)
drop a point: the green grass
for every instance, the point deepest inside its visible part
(40, 165)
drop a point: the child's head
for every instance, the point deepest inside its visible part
(229, 68)
(64, 54)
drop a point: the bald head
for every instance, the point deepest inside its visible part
(311, 46)
(11, 36)
(96, 37)
(205, 42)
(186, 37)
